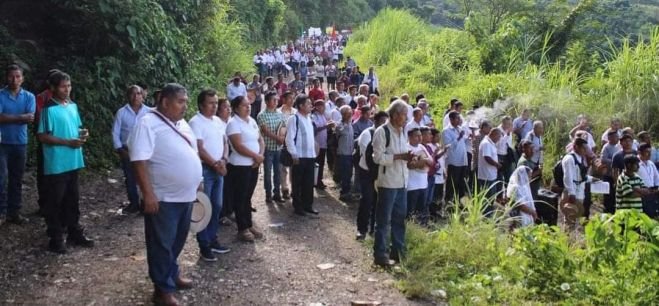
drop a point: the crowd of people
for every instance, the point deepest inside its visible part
(398, 164)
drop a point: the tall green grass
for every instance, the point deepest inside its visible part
(411, 56)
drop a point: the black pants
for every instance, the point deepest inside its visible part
(320, 159)
(61, 204)
(41, 190)
(587, 201)
(456, 185)
(610, 199)
(366, 213)
(238, 184)
(302, 174)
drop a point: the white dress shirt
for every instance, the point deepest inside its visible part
(648, 172)
(304, 145)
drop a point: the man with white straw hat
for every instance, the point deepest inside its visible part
(163, 151)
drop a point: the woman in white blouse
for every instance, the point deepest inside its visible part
(246, 156)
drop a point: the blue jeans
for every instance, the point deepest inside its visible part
(165, 234)
(390, 212)
(344, 162)
(271, 173)
(131, 183)
(213, 187)
(417, 205)
(12, 167)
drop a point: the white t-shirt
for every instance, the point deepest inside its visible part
(440, 174)
(174, 165)
(211, 132)
(418, 178)
(413, 124)
(502, 145)
(410, 113)
(485, 170)
(249, 136)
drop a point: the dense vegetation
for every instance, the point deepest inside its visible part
(558, 73)
(473, 260)
(517, 68)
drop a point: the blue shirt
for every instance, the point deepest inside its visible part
(124, 121)
(61, 121)
(457, 150)
(23, 103)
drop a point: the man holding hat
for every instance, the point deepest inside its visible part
(163, 150)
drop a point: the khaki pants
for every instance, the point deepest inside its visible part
(571, 211)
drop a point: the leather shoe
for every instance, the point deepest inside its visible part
(183, 283)
(300, 213)
(165, 298)
(311, 211)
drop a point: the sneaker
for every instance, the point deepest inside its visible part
(360, 236)
(258, 234)
(57, 246)
(216, 247)
(246, 236)
(131, 209)
(207, 255)
(17, 219)
(268, 200)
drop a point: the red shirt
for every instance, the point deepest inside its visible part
(316, 94)
(281, 88)
(42, 99)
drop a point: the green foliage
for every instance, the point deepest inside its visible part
(446, 63)
(475, 260)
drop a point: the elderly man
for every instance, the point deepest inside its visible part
(417, 122)
(345, 135)
(163, 150)
(489, 165)
(124, 121)
(535, 137)
(427, 119)
(391, 153)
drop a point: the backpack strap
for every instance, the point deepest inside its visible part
(387, 136)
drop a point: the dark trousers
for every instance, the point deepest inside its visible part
(650, 205)
(320, 160)
(416, 205)
(61, 206)
(302, 174)
(131, 183)
(438, 198)
(12, 167)
(587, 201)
(238, 181)
(344, 164)
(165, 234)
(610, 199)
(41, 189)
(491, 190)
(456, 185)
(366, 213)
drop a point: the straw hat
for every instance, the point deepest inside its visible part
(201, 213)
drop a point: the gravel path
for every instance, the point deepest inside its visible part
(282, 270)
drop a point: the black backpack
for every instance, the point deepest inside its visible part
(557, 172)
(373, 167)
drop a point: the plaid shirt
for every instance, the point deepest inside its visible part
(273, 120)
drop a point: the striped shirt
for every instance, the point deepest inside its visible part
(273, 120)
(625, 197)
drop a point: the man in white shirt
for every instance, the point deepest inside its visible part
(288, 111)
(574, 179)
(163, 150)
(488, 166)
(391, 153)
(211, 143)
(124, 121)
(417, 184)
(505, 149)
(300, 143)
(457, 106)
(235, 89)
(367, 177)
(455, 140)
(647, 171)
(535, 137)
(417, 120)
